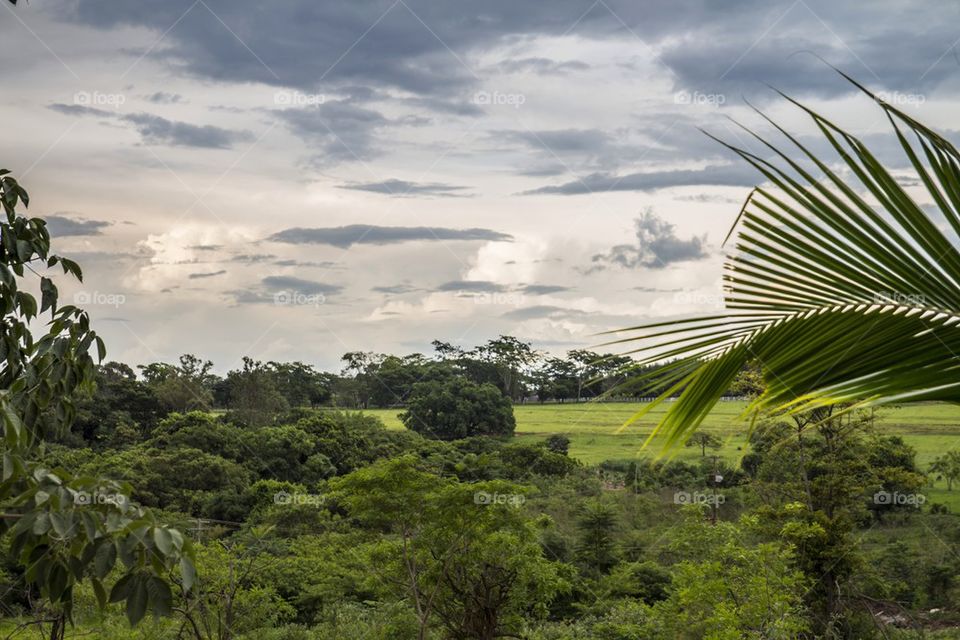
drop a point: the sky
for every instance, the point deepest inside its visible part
(298, 179)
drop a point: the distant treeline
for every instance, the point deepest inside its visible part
(366, 380)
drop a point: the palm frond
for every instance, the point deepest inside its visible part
(842, 287)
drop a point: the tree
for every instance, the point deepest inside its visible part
(724, 587)
(227, 601)
(253, 395)
(301, 384)
(818, 479)
(119, 403)
(458, 408)
(511, 357)
(947, 466)
(583, 364)
(63, 529)
(703, 440)
(359, 369)
(184, 387)
(862, 310)
(558, 444)
(596, 524)
(455, 552)
(556, 378)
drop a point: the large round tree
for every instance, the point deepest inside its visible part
(458, 408)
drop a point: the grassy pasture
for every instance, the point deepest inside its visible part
(592, 428)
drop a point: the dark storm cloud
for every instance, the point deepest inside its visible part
(60, 225)
(397, 187)
(154, 129)
(472, 286)
(296, 43)
(718, 46)
(734, 175)
(656, 247)
(717, 61)
(344, 237)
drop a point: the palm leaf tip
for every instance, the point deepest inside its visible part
(843, 290)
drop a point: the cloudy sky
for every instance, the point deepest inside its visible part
(297, 179)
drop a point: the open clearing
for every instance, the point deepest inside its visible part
(592, 428)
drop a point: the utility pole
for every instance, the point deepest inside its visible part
(715, 480)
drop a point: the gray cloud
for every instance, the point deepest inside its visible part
(397, 187)
(578, 148)
(709, 197)
(345, 237)
(657, 246)
(80, 110)
(472, 286)
(253, 258)
(729, 46)
(284, 290)
(736, 175)
(209, 274)
(396, 289)
(154, 129)
(542, 311)
(543, 289)
(324, 264)
(162, 97)
(339, 130)
(306, 287)
(59, 225)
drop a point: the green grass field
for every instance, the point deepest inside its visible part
(592, 428)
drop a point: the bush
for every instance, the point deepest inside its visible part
(458, 408)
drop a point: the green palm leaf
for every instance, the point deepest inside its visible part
(841, 287)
